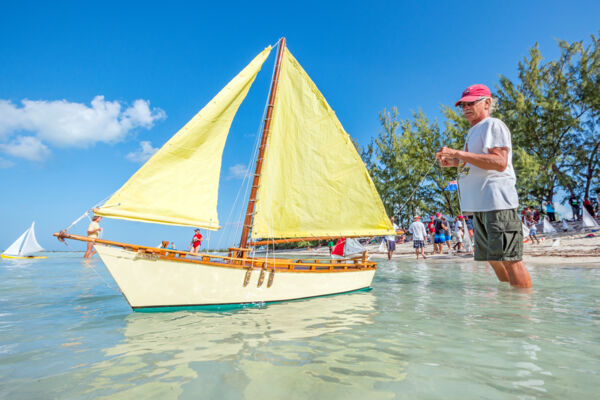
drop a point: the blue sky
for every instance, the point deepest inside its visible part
(156, 65)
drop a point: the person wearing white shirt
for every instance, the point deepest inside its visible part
(390, 240)
(487, 187)
(459, 233)
(418, 233)
(93, 233)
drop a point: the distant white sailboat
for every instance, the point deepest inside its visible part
(588, 220)
(24, 246)
(548, 228)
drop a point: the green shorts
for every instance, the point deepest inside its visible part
(498, 235)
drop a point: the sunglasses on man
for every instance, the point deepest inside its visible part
(464, 104)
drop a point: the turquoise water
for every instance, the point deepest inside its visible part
(426, 331)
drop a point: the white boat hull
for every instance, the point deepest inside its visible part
(149, 283)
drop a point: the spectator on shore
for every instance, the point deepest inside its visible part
(469, 221)
(440, 237)
(431, 230)
(487, 184)
(550, 211)
(447, 234)
(574, 203)
(588, 206)
(419, 233)
(459, 233)
(535, 213)
(531, 225)
(525, 213)
(390, 240)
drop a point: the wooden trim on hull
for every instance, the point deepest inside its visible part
(156, 282)
(267, 263)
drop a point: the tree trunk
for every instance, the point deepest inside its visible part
(590, 170)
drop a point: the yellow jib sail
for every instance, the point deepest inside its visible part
(179, 184)
(313, 182)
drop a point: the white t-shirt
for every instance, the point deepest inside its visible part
(392, 237)
(92, 227)
(488, 190)
(418, 230)
(457, 226)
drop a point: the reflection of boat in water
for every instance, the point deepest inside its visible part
(261, 352)
(25, 246)
(204, 336)
(162, 352)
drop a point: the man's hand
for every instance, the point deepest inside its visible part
(447, 157)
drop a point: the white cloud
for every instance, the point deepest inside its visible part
(66, 124)
(6, 163)
(143, 153)
(27, 147)
(237, 171)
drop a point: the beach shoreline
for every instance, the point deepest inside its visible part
(574, 248)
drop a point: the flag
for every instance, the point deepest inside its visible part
(452, 186)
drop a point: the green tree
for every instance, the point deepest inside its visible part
(401, 161)
(553, 113)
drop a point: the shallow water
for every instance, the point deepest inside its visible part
(425, 331)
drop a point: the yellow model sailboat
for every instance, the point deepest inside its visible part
(309, 182)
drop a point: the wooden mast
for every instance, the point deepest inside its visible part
(261, 150)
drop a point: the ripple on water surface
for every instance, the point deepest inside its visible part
(424, 331)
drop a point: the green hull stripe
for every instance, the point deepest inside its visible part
(234, 306)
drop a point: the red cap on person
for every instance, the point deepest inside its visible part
(460, 217)
(473, 93)
(437, 214)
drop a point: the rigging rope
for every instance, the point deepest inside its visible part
(416, 187)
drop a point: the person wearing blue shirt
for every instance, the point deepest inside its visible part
(550, 212)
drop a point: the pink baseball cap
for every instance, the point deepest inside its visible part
(473, 93)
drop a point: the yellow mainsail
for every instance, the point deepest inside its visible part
(313, 182)
(179, 184)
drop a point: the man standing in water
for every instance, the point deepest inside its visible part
(93, 232)
(487, 187)
(419, 233)
(390, 240)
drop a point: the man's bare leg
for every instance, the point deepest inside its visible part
(500, 271)
(517, 274)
